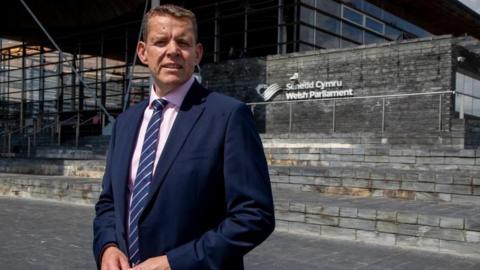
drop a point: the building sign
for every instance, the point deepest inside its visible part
(305, 90)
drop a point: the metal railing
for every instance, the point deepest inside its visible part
(54, 128)
(31, 132)
(334, 101)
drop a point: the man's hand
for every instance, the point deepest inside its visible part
(155, 263)
(114, 259)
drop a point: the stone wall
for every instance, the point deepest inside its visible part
(236, 78)
(404, 67)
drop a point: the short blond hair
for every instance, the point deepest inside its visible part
(169, 10)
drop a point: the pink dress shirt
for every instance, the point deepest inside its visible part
(175, 99)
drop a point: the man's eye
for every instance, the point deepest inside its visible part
(160, 43)
(184, 43)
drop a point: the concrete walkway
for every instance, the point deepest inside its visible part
(44, 235)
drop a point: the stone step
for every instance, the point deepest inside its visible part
(50, 166)
(454, 139)
(79, 190)
(434, 226)
(372, 142)
(420, 159)
(363, 134)
(65, 152)
(448, 186)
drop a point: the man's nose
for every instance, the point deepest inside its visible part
(173, 49)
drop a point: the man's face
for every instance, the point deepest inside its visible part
(170, 51)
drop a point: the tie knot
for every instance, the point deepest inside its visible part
(159, 104)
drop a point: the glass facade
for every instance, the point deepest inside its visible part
(352, 22)
(241, 28)
(468, 95)
(36, 80)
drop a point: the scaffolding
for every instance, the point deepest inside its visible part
(41, 97)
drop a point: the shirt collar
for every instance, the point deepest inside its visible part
(175, 97)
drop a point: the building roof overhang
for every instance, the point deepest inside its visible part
(438, 17)
(72, 22)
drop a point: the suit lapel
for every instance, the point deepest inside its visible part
(191, 109)
(129, 139)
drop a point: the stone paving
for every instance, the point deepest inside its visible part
(46, 235)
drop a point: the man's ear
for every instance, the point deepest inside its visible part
(142, 52)
(199, 52)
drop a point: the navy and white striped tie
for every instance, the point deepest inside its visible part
(143, 178)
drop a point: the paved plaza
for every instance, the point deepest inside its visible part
(44, 235)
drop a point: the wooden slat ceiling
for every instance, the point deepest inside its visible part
(438, 17)
(73, 21)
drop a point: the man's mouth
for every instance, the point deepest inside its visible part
(172, 66)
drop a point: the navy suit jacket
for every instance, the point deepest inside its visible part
(210, 200)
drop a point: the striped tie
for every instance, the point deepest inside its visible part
(143, 178)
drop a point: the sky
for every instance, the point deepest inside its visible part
(473, 4)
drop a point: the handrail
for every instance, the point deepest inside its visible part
(37, 131)
(467, 95)
(334, 100)
(49, 125)
(16, 130)
(349, 98)
(54, 123)
(85, 121)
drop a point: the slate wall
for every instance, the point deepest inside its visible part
(404, 67)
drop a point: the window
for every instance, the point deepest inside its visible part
(372, 38)
(328, 23)
(358, 4)
(327, 41)
(305, 47)
(352, 32)
(329, 6)
(372, 9)
(390, 18)
(404, 25)
(347, 44)
(392, 33)
(374, 25)
(307, 34)
(309, 2)
(471, 87)
(307, 15)
(352, 15)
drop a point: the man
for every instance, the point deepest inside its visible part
(186, 183)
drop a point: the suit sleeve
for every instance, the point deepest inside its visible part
(104, 221)
(248, 198)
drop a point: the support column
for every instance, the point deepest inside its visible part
(216, 45)
(73, 87)
(126, 75)
(296, 26)
(60, 83)
(281, 29)
(9, 56)
(81, 87)
(103, 74)
(24, 85)
(245, 28)
(2, 79)
(96, 83)
(41, 86)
